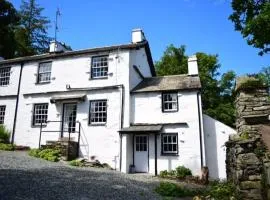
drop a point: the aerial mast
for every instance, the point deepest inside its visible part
(56, 24)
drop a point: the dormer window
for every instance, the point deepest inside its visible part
(99, 67)
(169, 102)
(4, 76)
(44, 72)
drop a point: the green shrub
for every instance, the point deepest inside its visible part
(77, 163)
(172, 173)
(182, 172)
(50, 154)
(174, 190)
(163, 174)
(6, 147)
(46, 154)
(4, 134)
(34, 152)
(222, 190)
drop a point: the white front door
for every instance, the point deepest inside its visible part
(69, 118)
(141, 153)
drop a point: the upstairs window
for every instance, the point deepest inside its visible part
(98, 112)
(169, 143)
(2, 114)
(99, 67)
(44, 72)
(4, 76)
(169, 102)
(40, 114)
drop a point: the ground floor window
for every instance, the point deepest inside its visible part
(169, 143)
(2, 114)
(40, 114)
(98, 112)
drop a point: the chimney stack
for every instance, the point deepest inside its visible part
(57, 47)
(193, 66)
(137, 35)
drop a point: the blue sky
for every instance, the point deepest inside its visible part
(201, 25)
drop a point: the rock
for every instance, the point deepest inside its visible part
(250, 185)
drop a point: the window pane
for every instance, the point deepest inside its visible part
(99, 67)
(4, 76)
(98, 111)
(170, 143)
(44, 72)
(40, 114)
(170, 102)
(2, 114)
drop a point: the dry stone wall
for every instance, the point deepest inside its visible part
(246, 162)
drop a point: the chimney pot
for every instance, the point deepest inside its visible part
(192, 66)
(137, 35)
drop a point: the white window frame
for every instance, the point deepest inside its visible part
(5, 76)
(2, 114)
(99, 66)
(170, 99)
(171, 143)
(40, 113)
(46, 73)
(97, 112)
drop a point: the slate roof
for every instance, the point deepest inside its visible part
(142, 128)
(143, 44)
(167, 83)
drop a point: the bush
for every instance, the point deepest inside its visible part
(174, 190)
(77, 163)
(163, 174)
(34, 152)
(222, 190)
(6, 147)
(4, 134)
(46, 154)
(182, 172)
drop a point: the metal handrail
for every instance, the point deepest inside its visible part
(62, 131)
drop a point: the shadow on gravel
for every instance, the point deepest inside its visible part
(67, 183)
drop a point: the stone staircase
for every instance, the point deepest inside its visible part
(68, 149)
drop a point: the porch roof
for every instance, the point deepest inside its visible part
(68, 98)
(141, 128)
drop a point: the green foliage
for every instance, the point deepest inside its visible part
(4, 134)
(77, 163)
(32, 32)
(174, 190)
(163, 174)
(217, 95)
(6, 147)
(46, 154)
(9, 18)
(222, 190)
(34, 152)
(249, 82)
(252, 19)
(182, 172)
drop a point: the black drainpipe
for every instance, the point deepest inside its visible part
(200, 128)
(17, 104)
(121, 125)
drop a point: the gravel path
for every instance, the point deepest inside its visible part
(24, 177)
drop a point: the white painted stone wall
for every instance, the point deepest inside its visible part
(216, 134)
(11, 89)
(10, 110)
(147, 108)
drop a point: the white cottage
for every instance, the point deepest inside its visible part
(112, 104)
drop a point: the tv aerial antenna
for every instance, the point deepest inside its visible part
(57, 15)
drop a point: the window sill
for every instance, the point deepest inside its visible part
(170, 154)
(169, 111)
(98, 78)
(39, 126)
(43, 83)
(98, 124)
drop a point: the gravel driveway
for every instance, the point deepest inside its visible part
(24, 177)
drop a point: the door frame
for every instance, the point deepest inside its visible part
(134, 149)
(63, 116)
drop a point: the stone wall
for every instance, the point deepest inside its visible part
(246, 163)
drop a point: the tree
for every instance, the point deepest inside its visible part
(9, 18)
(32, 35)
(217, 95)
(252, 19)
